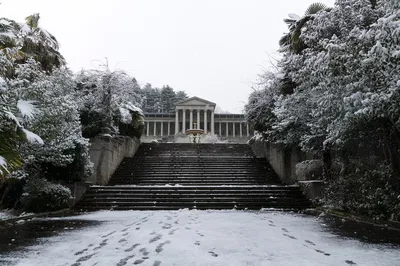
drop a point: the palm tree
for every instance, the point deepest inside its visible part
(40, 44)
(291, 42)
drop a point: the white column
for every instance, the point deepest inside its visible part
(205, 121)
(241, 134)
(184, 121)
(155, 128)
(162, 128)
(227, 129)
(248, 131)
(191, 119)
(176, 121)
(198, 118)
(169, 128)
(212, 122)
(233, 129)
(220, 128)
(148, 128)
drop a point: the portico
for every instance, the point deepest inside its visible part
(196, 113)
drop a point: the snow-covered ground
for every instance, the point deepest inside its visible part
(201, 238)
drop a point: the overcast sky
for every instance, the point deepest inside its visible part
(213, 49)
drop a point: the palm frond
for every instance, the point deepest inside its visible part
(33, 21)
(314, 8)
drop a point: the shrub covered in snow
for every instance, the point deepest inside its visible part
(371, 189)
(309, 170)
(40, 195)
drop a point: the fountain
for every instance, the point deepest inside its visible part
(194, 133)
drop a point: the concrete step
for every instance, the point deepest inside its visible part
(195, 176)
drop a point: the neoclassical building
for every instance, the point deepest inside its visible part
(196, 113)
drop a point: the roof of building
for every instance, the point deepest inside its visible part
(195, 98)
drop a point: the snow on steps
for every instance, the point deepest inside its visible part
(194, 176)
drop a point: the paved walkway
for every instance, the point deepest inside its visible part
(187, 238)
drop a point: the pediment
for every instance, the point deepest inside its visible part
(195, 101)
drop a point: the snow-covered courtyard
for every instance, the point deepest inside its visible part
(190, 237)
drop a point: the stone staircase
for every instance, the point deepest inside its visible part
(196, 176)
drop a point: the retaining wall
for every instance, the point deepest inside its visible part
(283, 160)
(107, 153)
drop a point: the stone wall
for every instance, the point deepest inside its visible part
(283, 160)
(107, 153)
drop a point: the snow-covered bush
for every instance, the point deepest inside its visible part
(130, 121)
(40, 196)
(309, 170)
(371, 189)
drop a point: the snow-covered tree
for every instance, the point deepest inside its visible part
(101, 93)
(15, 112)
(338, 97)
(57, 123)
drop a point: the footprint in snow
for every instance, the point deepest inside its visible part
(322, 252)
(82, 259)
(156, 238)
(124, 261)
(197, 243)
(160, 248)
(144, 251)
(350, 262)
(213, 253)
(309, 242)
(292, 237)
(172, 231)
(102, 244)
(113, 232)
(138, 261)
(166, 226)
(131, 248)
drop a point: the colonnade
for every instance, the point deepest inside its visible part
(243, 131)
(191, 120)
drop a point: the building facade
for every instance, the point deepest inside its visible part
(196, 113)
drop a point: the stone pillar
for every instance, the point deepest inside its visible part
(191, 119)
(169, 128)
(212, 123)
(248, 131)
(162, 128)
(198, 118)
(205, 121)
(176, 121)
(184, 121)
(148, 128)
(227, 129)
(233, 129)
(155, 128)
(240, 129)
(220, 128)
